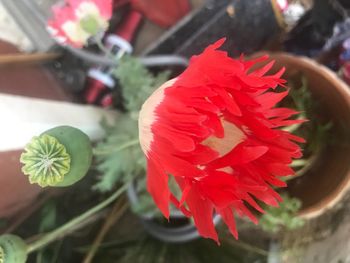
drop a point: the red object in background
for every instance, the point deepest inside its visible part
(345, 72)
(100, 80)
(94, 90)
(107, 100)
(129, 26)
(162, 12)
(119, 3)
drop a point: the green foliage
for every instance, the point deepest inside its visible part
(146, 204)
(48, 222)
(119, 156)
(48, 217)
(316, 129)
(284, 216)
(301, 96)
(137, 82)
(146, 249)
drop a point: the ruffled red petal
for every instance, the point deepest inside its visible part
(213, 90)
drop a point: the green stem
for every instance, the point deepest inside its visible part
(106, 51)
(248, 247)
(299, 162)
(110, 150)
(59, 232)
(102, 47)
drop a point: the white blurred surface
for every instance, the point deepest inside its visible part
(10, 32)
(23, 117)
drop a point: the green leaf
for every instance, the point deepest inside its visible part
(48, 217)
(118, 159)
(115, 162)
(284, 216)
(137, 82)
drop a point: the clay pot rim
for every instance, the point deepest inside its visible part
(344, 90)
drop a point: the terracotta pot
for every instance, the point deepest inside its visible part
(328, 179)
(15, 189)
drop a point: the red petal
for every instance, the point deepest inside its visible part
(180, 141)
(230, 102)
(294, 137)
(270, 99)
(268, 196)
(202, 211)
(242, 210)
(252, 202)
(239, 156)
(260, 72)
(279, 169)
(220, 188)
(229, 219)
(244, 99)
(251, 62)
(259, 129)
(213, 122)
(279, 123)
(201, 155)
(157, 186)
(280, 112)
(183, 209)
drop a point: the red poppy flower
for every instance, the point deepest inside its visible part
(76, 21)
(215, 129)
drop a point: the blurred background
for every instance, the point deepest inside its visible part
(43, 84)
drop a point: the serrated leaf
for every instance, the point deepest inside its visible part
(115, 162)
(284, 216)
(137, 82)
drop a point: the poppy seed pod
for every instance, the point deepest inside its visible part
(59, 157)
(12, 249)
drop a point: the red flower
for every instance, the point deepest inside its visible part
(215, 129)
(78, 20)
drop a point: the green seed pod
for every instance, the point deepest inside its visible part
(12, 249)
(59, 157)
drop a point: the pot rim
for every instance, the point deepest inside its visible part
(180, 234)
(343, 89)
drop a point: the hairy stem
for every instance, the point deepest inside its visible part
(110, 150)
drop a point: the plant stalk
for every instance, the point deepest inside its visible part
(61, 231)
(110, 150)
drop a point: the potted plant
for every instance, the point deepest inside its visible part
(325, 177)
(120, 159)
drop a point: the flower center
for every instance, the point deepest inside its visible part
(90, 24)
(232, 137)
